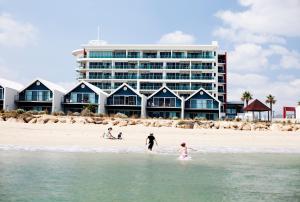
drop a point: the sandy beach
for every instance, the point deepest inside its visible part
(89, 137)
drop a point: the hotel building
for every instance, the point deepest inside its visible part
(183, 69)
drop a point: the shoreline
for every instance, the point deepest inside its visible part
(88, 138)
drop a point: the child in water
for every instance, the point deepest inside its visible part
(184, 152)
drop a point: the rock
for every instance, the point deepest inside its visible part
(217, 125)
(105, 122)
(80, 120)
(246, 127)
(98, 122)
(1, 119)
(53, 120)
(89, 120)
(131, 122)
(146, 123)
(197, 126)
(28, 119)
(123, 123)
(114, 123)
(287, 128)
(70, 120)
(11, 120)
(20, 120)
(62, 121)
(34, 120)
(224, 125)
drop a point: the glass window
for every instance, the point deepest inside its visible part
(1, 93)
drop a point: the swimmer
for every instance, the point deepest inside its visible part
(184, 152)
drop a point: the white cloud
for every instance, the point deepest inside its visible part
(14, 33)
(243, 36)
(271, 17)
(177, 37)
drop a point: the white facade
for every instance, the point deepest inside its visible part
(183, 68)
(298, 113)
(10, 91)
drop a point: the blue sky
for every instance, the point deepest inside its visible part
(262, 37)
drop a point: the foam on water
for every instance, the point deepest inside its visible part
(160, 150)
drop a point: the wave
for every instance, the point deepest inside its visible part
(163, 151)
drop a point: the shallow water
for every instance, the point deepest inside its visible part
(55, 176)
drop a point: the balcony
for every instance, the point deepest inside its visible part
(202, 77)
(194, 66)
(178, 77)
(221, 70)
(179, 87)
(150, 87)
(100, 77)
(221, 80)
(151, 66)
(37, 98)
(198, 87)
(151, 77)
(126, 67)
(125, 77)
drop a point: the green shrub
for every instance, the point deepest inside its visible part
(120, 115)
(86, 112)
(20, 111)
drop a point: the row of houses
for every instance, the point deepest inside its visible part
(42, 95)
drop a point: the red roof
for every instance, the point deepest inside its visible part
(256, 105)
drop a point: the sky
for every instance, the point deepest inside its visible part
(261, 38)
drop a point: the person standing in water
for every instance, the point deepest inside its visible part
(151, 139)
(184, 151)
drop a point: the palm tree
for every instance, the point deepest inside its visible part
(299, 103)
(271, 100)
(246, 97)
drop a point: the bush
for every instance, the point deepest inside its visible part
(33, 112)
(200, 118)
(60, 113)
(75, 114)
(120, 115)
(175, 118)
(86, 112)
(42, 112)
(20, 111)
(90, 107)
(238, 119)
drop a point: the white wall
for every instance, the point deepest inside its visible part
(143, 106)
(9, 99)
(57, 100)
(182, 108)
(298, 113)
(101, 103)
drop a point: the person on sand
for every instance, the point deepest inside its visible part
(120, 136)
(184, 151)
(151, 139)
(109, 135)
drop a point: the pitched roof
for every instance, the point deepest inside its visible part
(161, 89)
(48, 84)
(257, 105)
(10, 84)
(202, 89)
(91, 86)
(128, 86)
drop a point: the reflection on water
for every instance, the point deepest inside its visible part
(50, 176)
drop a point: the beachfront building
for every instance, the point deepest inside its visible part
(84, 95)
(201, 104)
(41, 95)
(165, 103)
(184, 69)
(235, 109)
(127, 101)
(8, 91)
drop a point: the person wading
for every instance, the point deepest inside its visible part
(151, 141)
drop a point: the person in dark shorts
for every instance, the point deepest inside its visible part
(151, 141)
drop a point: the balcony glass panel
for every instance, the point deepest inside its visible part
(125, 65)
(202, 66)
(174, 86)
(201, 104)
(200, 76)
(162, 102)
(1, 93)
(177, 55)
(178, 66)
(151, 66)
(165, 54)
(83, 98)
(124, 100)
(37, 95)
(100, 54)
(149, 55)
(133, 55)
(102, 85)
(125, 76)
(150, 86)
(151, 76)
(99, 75)
(119, 54)
(99, 65)
(177, 76)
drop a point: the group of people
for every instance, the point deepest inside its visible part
(150, 140)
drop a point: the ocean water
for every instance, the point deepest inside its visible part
(77, 176)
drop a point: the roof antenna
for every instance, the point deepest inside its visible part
(98, 33)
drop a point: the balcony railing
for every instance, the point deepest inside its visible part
(126, 67)
(202, 77)
(179, 87)
(150, 87)
(151, 77)
(198, 87)
(33, 98)
(201, 67)
(221, 80)
(178, 77)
